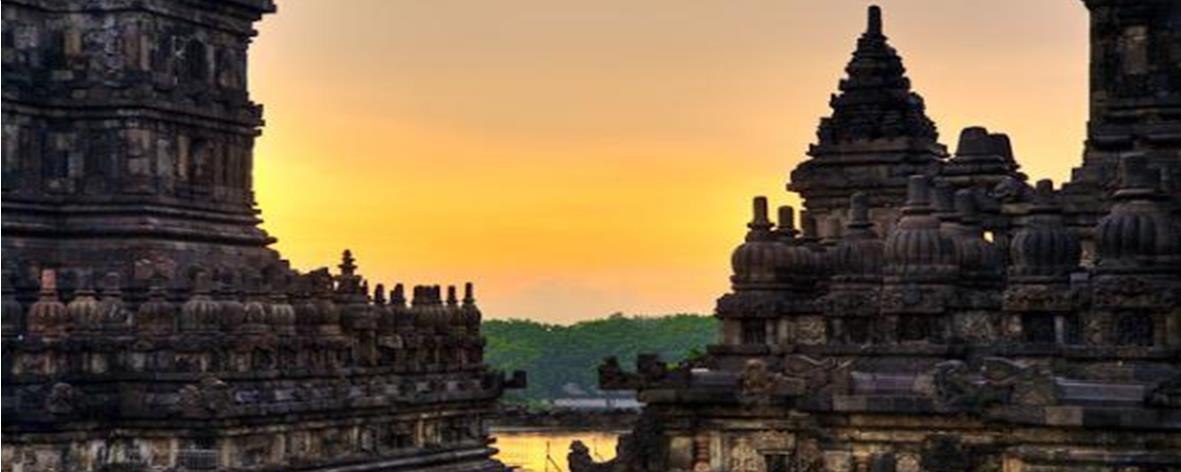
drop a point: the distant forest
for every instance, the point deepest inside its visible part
(562, 361)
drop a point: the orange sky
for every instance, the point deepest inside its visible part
(579, 158)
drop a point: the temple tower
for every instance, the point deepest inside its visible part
(877, 136)
(128, 136)
(1135, 100)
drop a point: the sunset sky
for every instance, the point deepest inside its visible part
(574, 159)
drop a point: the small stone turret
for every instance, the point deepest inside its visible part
(281, 314)
(796, 265)
(858, 257)
(1138, 235)
(755, 262)
(386, 324)
(1043, 248)
(306, 314)
(254, 309)
(115, 316)
(982, 159)
(440, 316)
(809, 237)
(403, 317)
(976, 257)
(233, 311)
(471, 313)
(48, 317)
(916, 250)
(919, 272)
(200, 314)
(156, 316)
(327, 314)
(851, 304)
(84, 310)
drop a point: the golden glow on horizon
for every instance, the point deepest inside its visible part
(532, 451)
(579, 159)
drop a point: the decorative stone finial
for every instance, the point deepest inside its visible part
(755, 260)
(1044, 200)
(1138, 234)
(916, 249)
(418, 295)
(379, 294)
(84, 309)
(49, 282)
(451, 299)
(347, 265)
(858, 255)
(1043, 249)
(469, 297)
(1044, 188)
(874, 26)
(48, 316)
(760, 224)
(786, 227)
(398, 296)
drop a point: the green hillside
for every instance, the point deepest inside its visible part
(557, 356)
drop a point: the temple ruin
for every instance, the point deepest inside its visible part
(937, 312)
(147, 325)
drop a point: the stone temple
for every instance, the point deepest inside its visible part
(147, 325)
(938, 313)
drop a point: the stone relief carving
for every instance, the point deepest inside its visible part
(209, 397)
(744, 457)
(63, 399)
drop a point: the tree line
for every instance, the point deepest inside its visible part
(562, 360)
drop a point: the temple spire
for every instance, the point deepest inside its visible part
(875, 100)
(877, 134)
